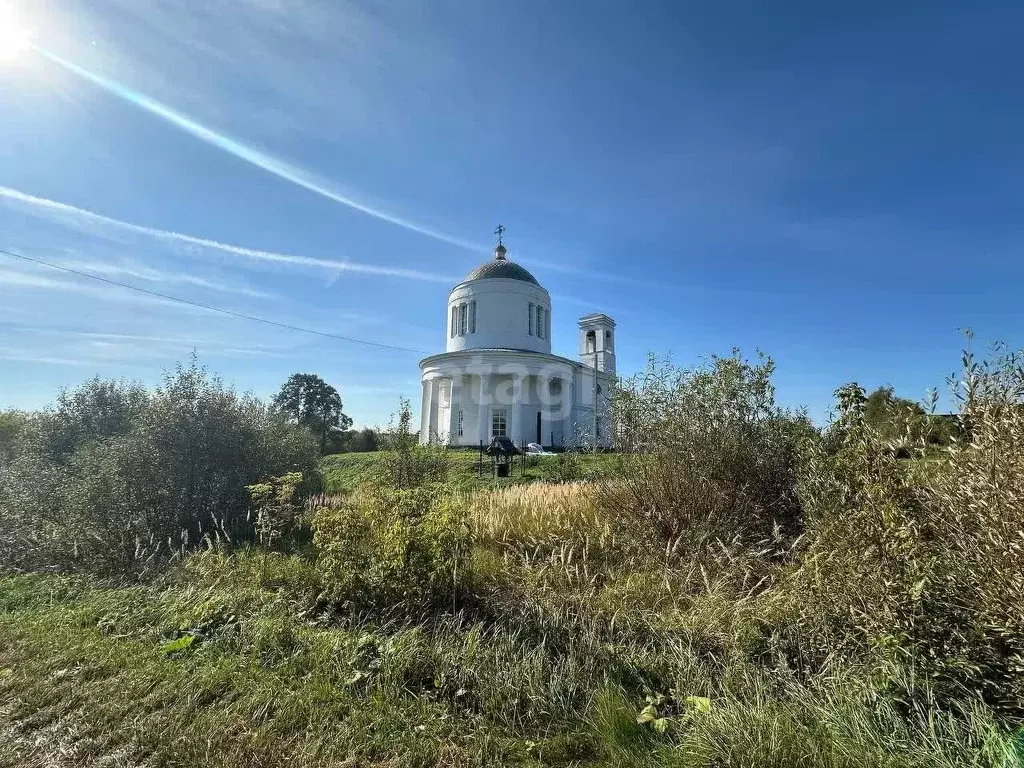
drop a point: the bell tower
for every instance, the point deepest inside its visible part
(597, 343)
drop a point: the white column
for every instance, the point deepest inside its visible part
(435, 407)
(515, 429)
(544, 406)
(454, 406)
(430, 409)
(424, 412)
(568, 399)
(484, 414)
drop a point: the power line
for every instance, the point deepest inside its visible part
(210, 308)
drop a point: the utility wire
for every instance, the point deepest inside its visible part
(230, 312)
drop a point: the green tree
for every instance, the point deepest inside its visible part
(906, 422)
(883, 409)
(358, 440)
(308, 400)
(706, 455)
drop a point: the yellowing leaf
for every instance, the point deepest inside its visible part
(700, 704)
(647, 715)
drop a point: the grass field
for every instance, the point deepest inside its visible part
(343, 472)
(231, 662)
(555, 653)
(735, 589)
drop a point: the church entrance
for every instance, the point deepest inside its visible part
(540, 437)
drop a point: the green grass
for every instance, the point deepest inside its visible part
(343, 472)
(272, 676)
(671, 618)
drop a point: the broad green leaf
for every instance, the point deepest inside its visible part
(176, 646)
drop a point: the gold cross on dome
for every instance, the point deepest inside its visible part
(499, 232)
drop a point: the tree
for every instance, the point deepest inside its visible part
(308, 400)
(883, 409)
(358, 440)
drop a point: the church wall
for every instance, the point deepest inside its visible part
(502, 309)
(536, 396)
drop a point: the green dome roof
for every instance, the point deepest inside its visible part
(500, 269)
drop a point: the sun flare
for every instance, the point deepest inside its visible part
(15, 38)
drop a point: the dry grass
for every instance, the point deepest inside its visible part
(541, 511)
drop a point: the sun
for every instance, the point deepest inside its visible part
(15, 39)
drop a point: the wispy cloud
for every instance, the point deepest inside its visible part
(98, 224)
(305, 179)
(268, 163)
(17, 355)
(321, 67)
(555, 266)
(37, 330)
(37, 280)
(71, 347)
(89, 221)
(161, 276)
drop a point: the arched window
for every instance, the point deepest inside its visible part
(608, 341)
(591, 342)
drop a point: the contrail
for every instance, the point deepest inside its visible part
(85, 216)
(252, 156)
(301, 178)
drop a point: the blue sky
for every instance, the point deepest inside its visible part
(836, 184)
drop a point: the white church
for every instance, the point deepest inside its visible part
(497, 375)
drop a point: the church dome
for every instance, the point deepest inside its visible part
(500, 269)
(499, 305)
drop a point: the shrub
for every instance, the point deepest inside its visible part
(706, 455)
(567, 468)
(112, 477)
(276, 507)
(922, 570)
(393, 546)
(12, 423)
(403, 462)
(860, 559)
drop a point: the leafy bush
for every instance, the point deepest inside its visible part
(113, 477)
(277, 509)
(567, 468)
(706, 455)
(922, 569)
(386, 545)
(402, 537)
(11, 425)
(860, 562)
